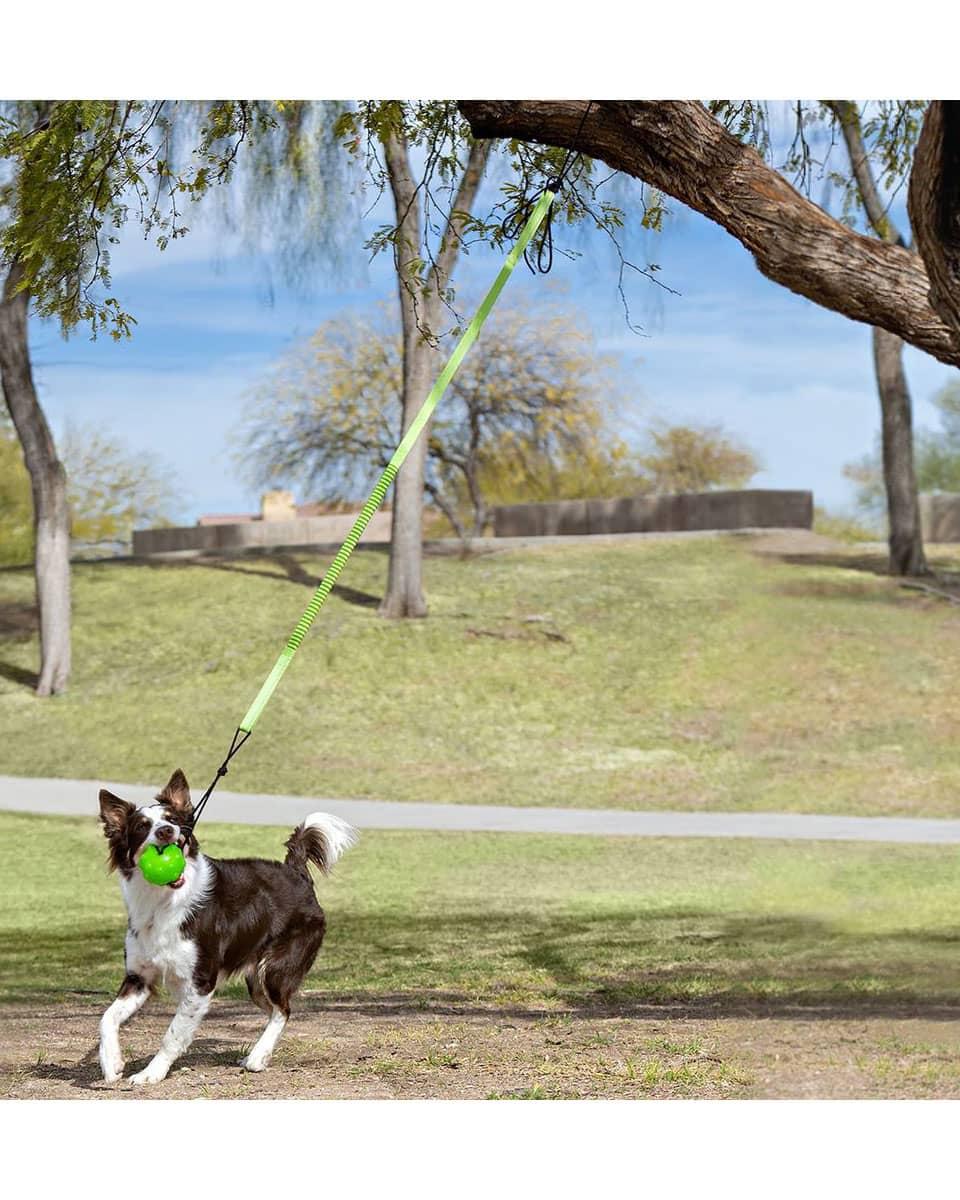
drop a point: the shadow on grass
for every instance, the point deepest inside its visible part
(290, 571)
(681, 960)
(868, 563)
(19, 622)
(20, 675)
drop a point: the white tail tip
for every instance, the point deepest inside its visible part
(338, 835)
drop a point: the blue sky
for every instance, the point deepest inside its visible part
(791, 379)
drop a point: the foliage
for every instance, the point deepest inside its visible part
(811, 131)
(16, 503)
(110, 488)
(689, 458)
(844, 528)
(437, 130)
(526, 415)
(77, 170)
(936, 458)
(113, 489)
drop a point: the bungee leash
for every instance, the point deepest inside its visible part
(531, 224)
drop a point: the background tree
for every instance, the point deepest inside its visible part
(937, 458)
(529, 411)
(688, 458)
(903, 509)
(113, 490)
(110, 491)
(433, 218)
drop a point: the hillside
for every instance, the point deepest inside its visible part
(684, 674)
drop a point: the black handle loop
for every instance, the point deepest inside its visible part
(540, 258)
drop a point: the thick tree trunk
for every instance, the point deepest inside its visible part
(678, 147)
(903, 509)
(420, 313)
(51, 512)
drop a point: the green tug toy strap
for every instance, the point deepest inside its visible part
(393, 466)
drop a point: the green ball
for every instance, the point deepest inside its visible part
(162, 866)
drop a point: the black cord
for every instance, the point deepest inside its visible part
(540, 261)
(239, 737)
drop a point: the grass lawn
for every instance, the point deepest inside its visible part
(506, 919)
(687, 674)
(529, 967)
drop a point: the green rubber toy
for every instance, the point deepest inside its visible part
(162, 866)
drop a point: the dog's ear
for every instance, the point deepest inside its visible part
(114, 813)
(176, 795)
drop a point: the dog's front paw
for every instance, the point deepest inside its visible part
(154, 1072)
(255, 1062)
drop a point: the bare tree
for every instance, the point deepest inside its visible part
(528, 416)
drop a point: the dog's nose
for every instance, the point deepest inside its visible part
(165, 833)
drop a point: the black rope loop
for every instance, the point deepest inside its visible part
(538, 254)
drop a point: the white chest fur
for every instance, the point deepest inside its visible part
(155, 946)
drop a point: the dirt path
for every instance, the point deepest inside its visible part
(386, 1049)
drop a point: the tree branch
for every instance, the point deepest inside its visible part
(470, 181)
(678, 147)
(848, 116)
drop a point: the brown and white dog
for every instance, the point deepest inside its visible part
(222, 917)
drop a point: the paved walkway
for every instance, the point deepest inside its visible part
(79, 797)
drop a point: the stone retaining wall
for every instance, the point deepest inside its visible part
(304, 531)
(747, 509)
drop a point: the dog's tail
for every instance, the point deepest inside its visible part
(321, 839)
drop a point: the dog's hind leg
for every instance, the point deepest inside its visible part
(133, 994)
(279, 974)
(182, 1029)
(254, 981)
(260, 1055)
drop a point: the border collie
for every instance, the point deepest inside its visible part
(243, 916)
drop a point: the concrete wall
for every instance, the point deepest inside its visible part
(303, 531)
(750, 509)
(940, 516)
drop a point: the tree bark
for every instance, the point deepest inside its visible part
(420, 313)
(48, 480)
(900, 481)
(905, 534)
(934, 207)
(678, 147)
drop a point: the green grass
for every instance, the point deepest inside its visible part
(670, 674)
(508, 920)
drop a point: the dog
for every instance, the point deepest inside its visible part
(222, 917)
